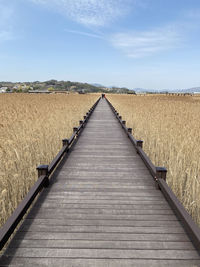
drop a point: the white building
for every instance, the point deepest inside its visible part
(3, 89)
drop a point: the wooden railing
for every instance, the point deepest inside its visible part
(44, 172)
(159, 176)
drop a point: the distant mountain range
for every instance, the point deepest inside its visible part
(190, 90)
(97, 84)
(54, 85)
(142, 90)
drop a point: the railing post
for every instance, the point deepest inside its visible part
(81, 122)
(65, 142)
(120, 117)
(139, 143)
(43, 170)
(75, 129)
(161, 173)
(130, 130)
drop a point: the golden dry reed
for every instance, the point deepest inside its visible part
(31, 131)
(170, 129)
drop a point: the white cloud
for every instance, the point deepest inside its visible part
(90, 12)
(141, 44)
(85, 34)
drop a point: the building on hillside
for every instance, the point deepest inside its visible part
(16, 87)
(3, 89)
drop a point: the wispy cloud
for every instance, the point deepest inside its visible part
(90, 12)
(141, 44)
(85, 34)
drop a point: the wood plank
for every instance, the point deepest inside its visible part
(62, 200)
(124, 170)
(17, 261)
(103, 229)
(103, 253)
(101, 196)
(143, 245)
(110, 190)
(94, 187)
(63, 211)
(52, 204)
(81, 173)
(67, 216)
(103, 236)
(137, 181)
(95, 222)
(68, 196)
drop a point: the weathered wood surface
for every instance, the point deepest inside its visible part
(101, 209)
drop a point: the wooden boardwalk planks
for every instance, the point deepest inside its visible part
(101, 209)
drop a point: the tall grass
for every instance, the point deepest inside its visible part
(31, 130)
(169, 126)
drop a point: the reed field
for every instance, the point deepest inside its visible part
(169, 127)
(31, 131)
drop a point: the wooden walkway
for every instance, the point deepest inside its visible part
(101, 210)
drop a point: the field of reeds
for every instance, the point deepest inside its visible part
(31, 131)
(169, 127)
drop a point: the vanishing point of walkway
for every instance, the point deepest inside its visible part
(101, 210)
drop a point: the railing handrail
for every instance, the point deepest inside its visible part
(159, 175)
(20, 211)
(190, 226)
(44, 171)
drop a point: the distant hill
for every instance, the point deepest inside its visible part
(190, 90)
(54, 85)
(97, 85)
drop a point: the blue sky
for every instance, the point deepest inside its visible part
(152, 44)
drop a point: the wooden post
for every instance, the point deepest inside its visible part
(130, 130)
(120, 117)
(161, 173)
(124, 122)
(75, 129)
(65, 142)
(139, 143)
(43, 170)
(80, 122)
